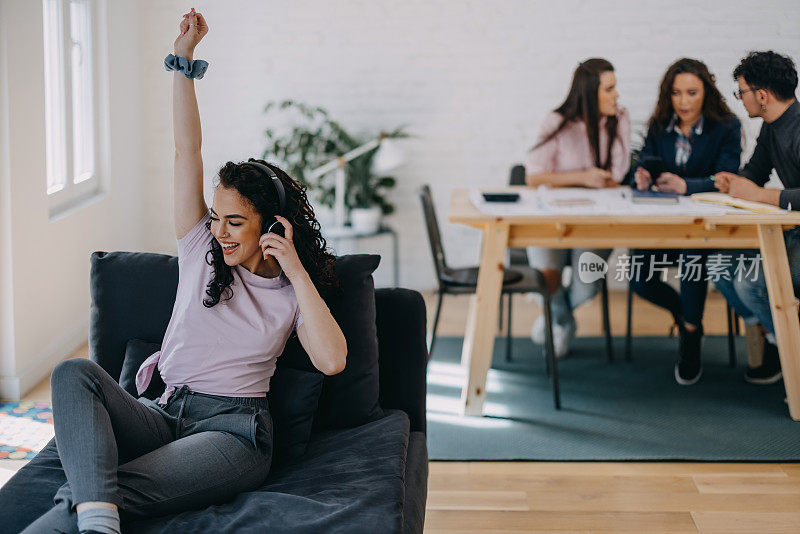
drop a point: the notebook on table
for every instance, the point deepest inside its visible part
(727, 200)
(654, 197)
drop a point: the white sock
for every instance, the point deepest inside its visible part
(770, 337)
(105, 520)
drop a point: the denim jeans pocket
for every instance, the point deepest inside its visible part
(264, 432)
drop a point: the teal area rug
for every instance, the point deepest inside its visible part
(619, 411)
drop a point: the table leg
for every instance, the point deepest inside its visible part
(476, 355)
(784, 310)
(472, 311)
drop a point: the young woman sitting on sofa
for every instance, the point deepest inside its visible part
(695, 135)
(250, 274)
(585, 142)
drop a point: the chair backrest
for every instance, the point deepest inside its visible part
(517, 175)
(434, 237)
(517, 256)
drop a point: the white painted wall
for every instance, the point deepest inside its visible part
(44, 265)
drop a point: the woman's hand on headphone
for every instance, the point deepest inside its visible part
(282, 249)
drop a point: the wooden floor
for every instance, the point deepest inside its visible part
(583, 497)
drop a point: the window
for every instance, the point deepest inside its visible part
(71, 110)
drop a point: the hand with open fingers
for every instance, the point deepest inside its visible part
(282, 249)
(671, 183)
(193, 28)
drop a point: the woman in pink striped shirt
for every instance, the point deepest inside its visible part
(585, 142)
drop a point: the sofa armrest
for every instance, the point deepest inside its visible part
(403, 352)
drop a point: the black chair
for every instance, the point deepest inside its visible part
(519, 257)
(464, 281)
(731, 318)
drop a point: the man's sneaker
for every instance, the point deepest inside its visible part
(688, 369)
(769, 371)
(562, 335)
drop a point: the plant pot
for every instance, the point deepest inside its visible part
(366, 220)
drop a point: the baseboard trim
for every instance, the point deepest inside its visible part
(13, 388)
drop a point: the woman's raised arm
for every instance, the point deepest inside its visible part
(189, 204)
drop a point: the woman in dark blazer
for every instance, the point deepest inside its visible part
(696, 135)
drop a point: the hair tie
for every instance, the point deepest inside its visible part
(190, 69)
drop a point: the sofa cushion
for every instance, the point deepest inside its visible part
(350, 398)
(133, 294)
(136, 352)
(293, 399)
(349, 481)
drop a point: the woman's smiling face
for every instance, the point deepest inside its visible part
(236, 225)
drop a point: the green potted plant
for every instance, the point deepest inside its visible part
(367, 187)
(310, 139)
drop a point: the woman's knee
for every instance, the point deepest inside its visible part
(751, 291)
(73, 371)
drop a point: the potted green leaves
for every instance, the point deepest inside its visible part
(368, 185)
(311, 138)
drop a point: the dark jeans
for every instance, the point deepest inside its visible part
(150, 459)
(689, 304)
(748, 294)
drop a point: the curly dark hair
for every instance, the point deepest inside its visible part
(581, 104)
(259, 190)
(769, 70)
(714, 106)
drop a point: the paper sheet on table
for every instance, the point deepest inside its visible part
(581, 201)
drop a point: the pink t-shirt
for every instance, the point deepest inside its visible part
(570, 150)
(231, 348)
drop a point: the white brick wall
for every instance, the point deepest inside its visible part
(472, 79)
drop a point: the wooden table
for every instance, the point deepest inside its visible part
(746, 230)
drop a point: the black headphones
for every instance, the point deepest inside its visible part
(278, 186)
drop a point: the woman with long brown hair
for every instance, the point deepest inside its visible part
(695, 135)
(585, 142)
(252, 268)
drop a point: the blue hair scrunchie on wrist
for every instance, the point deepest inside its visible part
(190, 69)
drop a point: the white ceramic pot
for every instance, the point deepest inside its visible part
(366, 220)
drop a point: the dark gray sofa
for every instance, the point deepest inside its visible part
(366, 478)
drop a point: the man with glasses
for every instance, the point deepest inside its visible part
(767, 83)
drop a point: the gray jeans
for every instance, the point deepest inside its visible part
(566, 299)
(150, 459)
